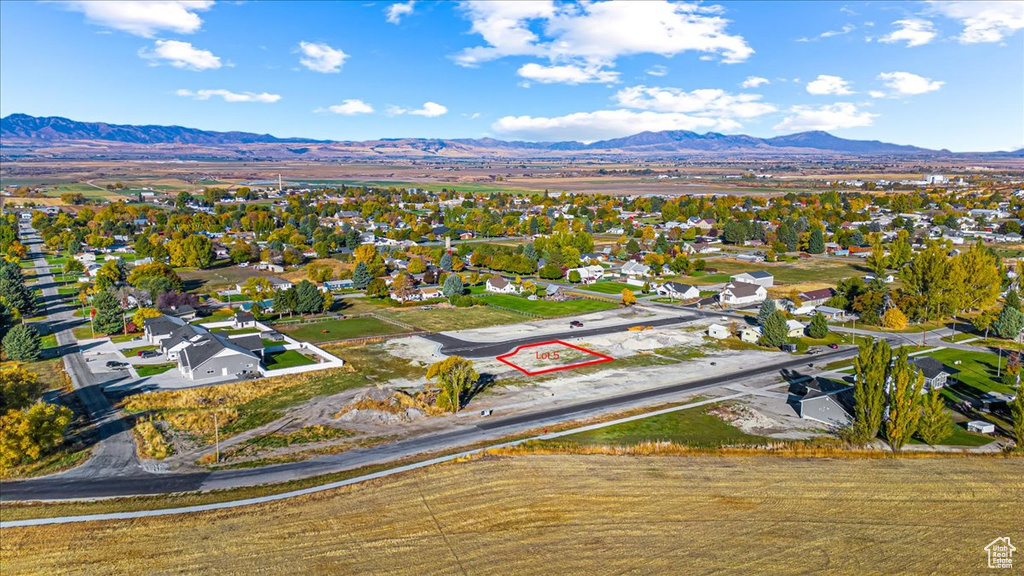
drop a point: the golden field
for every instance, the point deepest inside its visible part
(564, 514)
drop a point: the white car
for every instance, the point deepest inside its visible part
(243, 265)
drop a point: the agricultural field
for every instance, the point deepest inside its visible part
(805, 271)
(707, 513)
(332, 329)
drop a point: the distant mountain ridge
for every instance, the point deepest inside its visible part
(54, 130)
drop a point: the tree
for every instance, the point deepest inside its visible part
(377, 288)
(73, 267)
(446, 262)
(416, 266)
(14, 292)
(773, 331)
(904, 390)
(870, 371)
(257, 288)
(453, 286)
(309, 300)
(574, 276)
(818, 327)
(816, 241)
(894, 319)
(1012, 300)
(1017, 412)
(550, 271)
(361, 276)
(108, 276)
(195, 251)
(1010, 323)
(19, 388)
(140, 316)
(454, 375)
(319, 272)
(108, 319)
(877, 261)
(155, 275)
(21, 344)
(27, 435)
(936, 423)
(628, 298)
(767, 309)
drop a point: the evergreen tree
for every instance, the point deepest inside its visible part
(22, 344)
(768, 308)
(14, 291)
(788, 236)
(870, 369)
(5, 319)
(1009, 323)
(286, 301)
(773, 332)
(819, 327)
(816, 241)
(905, 383)
(453, 286)
(936, 423)
(308, 300)
(361, 277)
(108, 319)
(530, 252)
(1017, 412)
(446, 262)
(1012, 300)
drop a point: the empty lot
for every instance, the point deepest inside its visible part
(574, 514)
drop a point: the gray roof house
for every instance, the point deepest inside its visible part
(161, 327)
(213, 356)
(759, 277)
(935, 373)
(827, 402)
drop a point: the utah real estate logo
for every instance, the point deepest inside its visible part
(1000, 553)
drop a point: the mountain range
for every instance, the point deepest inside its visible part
(23, 131)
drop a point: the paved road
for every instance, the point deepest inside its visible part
(451, 345)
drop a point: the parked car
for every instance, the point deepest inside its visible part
(116, 364)
(148, 354)
(575, 324)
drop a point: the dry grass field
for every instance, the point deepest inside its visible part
(563, 514)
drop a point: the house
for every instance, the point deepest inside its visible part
(759, 277)
(161, 327)
(334, 285)
(935, 373)
(635, 269)
(178, 340)
(499, 285)
(553, 292)
(981, 427)
(831, 313)
(794, 328)
(588, 274)
(214, 356)
(741, 294)
(750, 334)
(678, 291)
(718, 332)
(244, 320)
(184, 312)
(827, 402)
(814, 298)
(430, 293)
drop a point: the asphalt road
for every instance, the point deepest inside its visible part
(451, 345)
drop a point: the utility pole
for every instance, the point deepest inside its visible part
(216, 438)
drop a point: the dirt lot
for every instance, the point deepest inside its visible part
(581, 514)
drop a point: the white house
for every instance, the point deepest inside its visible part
(588, 274)
(499, 285)
(678, 291)
(718, 332)
(635, 269)
(759, 277)
(742, 294)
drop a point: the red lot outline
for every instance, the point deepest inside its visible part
(601, 358)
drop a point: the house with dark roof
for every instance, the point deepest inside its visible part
(936, 374)
(816, 297)
(828, 402)
(500, 285)
(678, 291)
(214, 356)
(741, 294)
(161, 327)
(244, 319)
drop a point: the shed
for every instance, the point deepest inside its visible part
(981, 427)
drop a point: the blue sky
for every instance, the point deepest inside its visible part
(936, 74)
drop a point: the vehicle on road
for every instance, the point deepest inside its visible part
(575, 324)
(834, 346)
(115, 364)
(485, 413)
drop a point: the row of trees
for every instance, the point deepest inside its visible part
(29, 428)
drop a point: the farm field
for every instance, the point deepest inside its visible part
(574, 514)
(328, 330)
(803, 272)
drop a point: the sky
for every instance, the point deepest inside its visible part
(934, 74)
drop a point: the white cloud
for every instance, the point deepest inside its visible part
(601, 124)
(568, 74)
(144, 18)
(983, 21)
(396, 11)
(830, 33)
(229, 96)
(905, 83)
(754, 82)
(657, 70)
(429, 109)
(321, 57)
(597, 33)
(913, 31)
(349, 107)
(825, 84)
(876, 94)
(710, 102)
(181, 55)
(827, 117)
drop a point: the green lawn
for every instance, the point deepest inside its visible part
(154, 369)
(286, 359)
(977, 371)
(132, 352)
(327, 330)
(961, 437)
(48, 341)
(122, 338)
(608, 287)
(693, 426)
(700, 279)
(548, 308)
